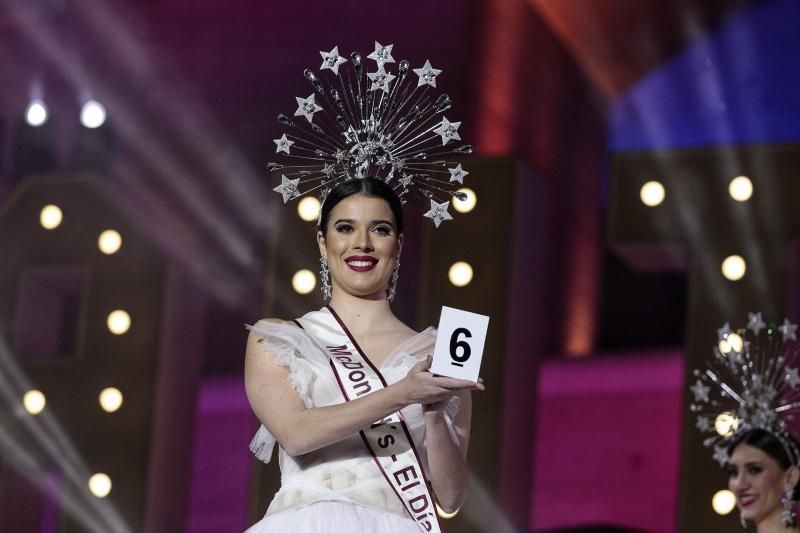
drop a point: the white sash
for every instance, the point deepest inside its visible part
(388, 440)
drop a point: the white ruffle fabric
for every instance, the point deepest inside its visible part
(337, 488)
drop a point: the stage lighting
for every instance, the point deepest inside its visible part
(460, 273)
(36, 114)
(444, 514)
(93, 114)
(723, 502)
(100, 485)
(734, 267)
(110, 399)
(308, 208)
(733, 342)
(50, 216)
(741, 188)
(119, 322)
(109, 242)
(467, 205)
(652, 193)
(726, 424)
(34, 401)
(304, 281)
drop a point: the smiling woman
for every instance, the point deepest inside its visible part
(319, 383)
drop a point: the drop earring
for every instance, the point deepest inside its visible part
(324, 278)
(393, 281)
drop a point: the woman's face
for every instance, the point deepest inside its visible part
(758, 481)
(361, 245)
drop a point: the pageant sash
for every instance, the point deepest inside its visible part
(388, 440)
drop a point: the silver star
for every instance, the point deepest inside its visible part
(755, 322)
(448, 130)
(792, 377)
(329, 170)
(287, 188)
(721, 455)
(700, 391)
(283, 144)
(457, 174)
(380, 80)
(306, 107)
(427, 74)
(332, 60)
(788, 330)
(382, 54)
(703, 423)
(723, 332)
(438, 212)
(405, 181)
(340, 155)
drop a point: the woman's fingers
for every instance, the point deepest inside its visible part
(453, 383)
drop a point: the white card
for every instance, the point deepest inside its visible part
(459, 344)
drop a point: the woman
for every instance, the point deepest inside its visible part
(349, 461)
(764, 480)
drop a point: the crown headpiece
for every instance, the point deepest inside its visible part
(752, 382)
(380, 124)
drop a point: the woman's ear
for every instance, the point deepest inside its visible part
(399, 245)
(791, 477)
(321, 242)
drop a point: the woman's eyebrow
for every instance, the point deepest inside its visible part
(375, 222)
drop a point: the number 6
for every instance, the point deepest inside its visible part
(455, 344)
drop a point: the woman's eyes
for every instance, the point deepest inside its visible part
(753, 470)
(381, 230)
(344, 228)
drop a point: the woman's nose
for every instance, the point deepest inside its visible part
(363, 241)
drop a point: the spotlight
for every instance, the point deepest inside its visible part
(723, 502)
(109, 242)
(100, 485)
(110, 399)
(467, 205)
(93, 114)
(741, 188)
(734, 267)
(118, 322)
(460, 273)
(36, 115)
(50, 216)
(34, 401)
(304, 281)
(652, 193)
(308, 208)
(726, 424)
(733, 342)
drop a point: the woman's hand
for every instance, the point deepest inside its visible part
(433, 392)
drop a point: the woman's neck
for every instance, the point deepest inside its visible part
(362, 314)
(773, 523)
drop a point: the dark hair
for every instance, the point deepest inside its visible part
(367, 186)
(769, 444)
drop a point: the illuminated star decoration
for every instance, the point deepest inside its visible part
(332, 60)
(700, 391)
(788, 330)
(457, 174)
(382, 54)
(438, 212)
(283, 144)
(755, 322)
(723, 332)
(448, 130)
(792, 377)
(703, 423)
(306, 107)
(380, 80)
(287, 188)
(721, 455)
(427, 74)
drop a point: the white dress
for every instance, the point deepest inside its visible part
(338, 488)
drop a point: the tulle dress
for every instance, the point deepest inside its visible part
(338, 488)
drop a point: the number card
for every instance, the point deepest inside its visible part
(459, 344)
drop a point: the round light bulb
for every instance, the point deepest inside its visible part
(119, 322)
(50, 216)
(460, 273)
(723, 502)
(93, 114)
(726, 424)
(465, 206)
(741, 188)
(110, 399)
(734, 267)
(304, 281)
(34, 401)
(652, 193)
(36, 114)
(308, 208)
(109, 242)
(100, 485)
